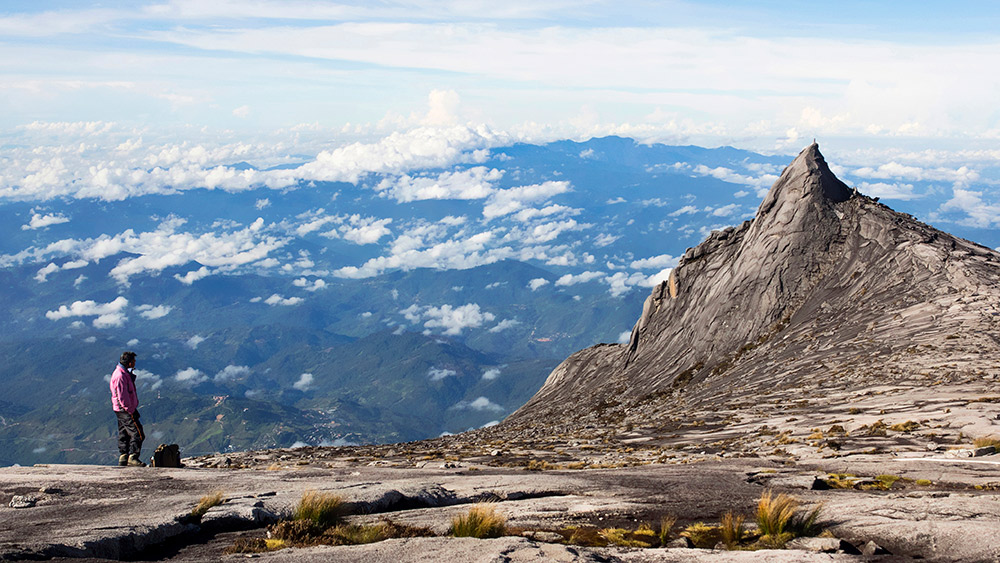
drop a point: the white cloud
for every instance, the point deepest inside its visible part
(511, 200)
(731, 176)
(437, 374)
(605, 239)
(132, 342)
(491, 374)
(367, 230)
(478, 404)
(624, 337)
(620, 283)
(241, 111)
(108, 314)
(43, 273)
(304, 283)
(166, 247)
(193, 276)
(537, 283)
(194, 341)
(978, 212)
(962, 175)
(573, 279)
(504, 325)
(149, 379)
(661, 261)
(190, 377)
(275, 300)
(39, 221)
(304, 382)
(885, 190)
(453, 320)
(686, 210)
(426, 246)
(418, 148)
(262, 203)
(474, 183)
(154, 311)
(726, 210)
(230, 373)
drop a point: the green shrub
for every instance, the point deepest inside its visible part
(482, 521)
(323, 509)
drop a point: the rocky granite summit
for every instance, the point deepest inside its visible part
(824, 296)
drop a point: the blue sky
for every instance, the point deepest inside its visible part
(766, 75)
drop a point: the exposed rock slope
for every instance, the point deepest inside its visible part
(825, 289)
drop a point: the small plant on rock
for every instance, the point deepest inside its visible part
(986, 441)
(206, 502)
(779, 519)
(482, 521)
(666, 524)
(732, 529)
(702, 535)
(322, 509)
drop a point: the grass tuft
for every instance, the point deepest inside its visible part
(779, 519)
(887, 480)
(666, 525)
(623, 538)
(357, 534)
(702, 535)
(322, 509)
(482, 521)
(206, 502)
(986, 441)
(732, 529)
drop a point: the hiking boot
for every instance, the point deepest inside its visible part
(134, 461)
(123, 460)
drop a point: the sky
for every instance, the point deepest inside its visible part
(111, 100)
(768, 76)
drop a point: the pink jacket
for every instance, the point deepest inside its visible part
(123, 395)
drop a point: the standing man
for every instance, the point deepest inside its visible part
(125, 402)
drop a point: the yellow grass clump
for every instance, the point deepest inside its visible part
(481, 521)
(323, 509)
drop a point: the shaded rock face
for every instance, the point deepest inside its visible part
(824, 287)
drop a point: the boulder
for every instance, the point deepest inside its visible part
(22, 502)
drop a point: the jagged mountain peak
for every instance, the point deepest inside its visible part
(823, 284)
(807, 177)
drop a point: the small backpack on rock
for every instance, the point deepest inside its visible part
(167, 456)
